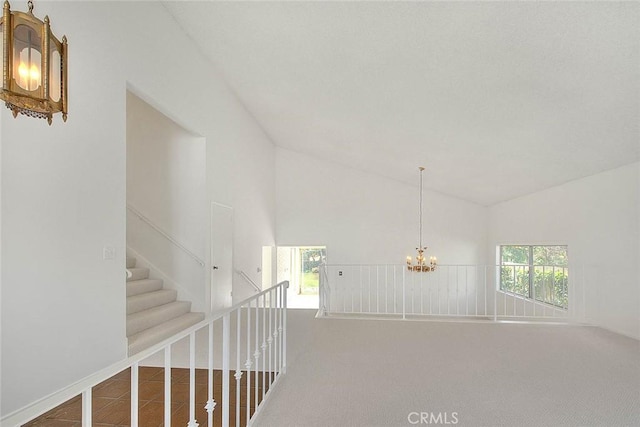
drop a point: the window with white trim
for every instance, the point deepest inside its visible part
(540, 273)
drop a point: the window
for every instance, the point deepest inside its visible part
(540, 273)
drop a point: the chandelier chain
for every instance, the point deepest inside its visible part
(420, 212)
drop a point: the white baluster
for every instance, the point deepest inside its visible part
(361, 286)
(238, 374)
(280, 328)
(421, 296)
(134, 394)
(248, 363)
(167, 385)
(438, 289)
(466, 291)
(225, 369)
(264, 344)
(86, 408)
(270, 337)
(498, 275)
(377, 290)
(256, 354)
(192, 381)
(404, 293)
(211, 403)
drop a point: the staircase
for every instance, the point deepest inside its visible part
(153, 313)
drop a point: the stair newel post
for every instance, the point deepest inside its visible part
(284, 327)
(256, 354)
(238, 374)
(134, 394)
(167, 385)
(225, 369)
(276, 341)
(280, 288)
(192, 380)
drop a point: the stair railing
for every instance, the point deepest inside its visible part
(164, 234)
(259, 333)
(246, 277)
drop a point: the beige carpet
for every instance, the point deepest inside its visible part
(386, 373)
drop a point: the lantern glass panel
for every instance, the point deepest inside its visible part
(27, 60)
(55, 75)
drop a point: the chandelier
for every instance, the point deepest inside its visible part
(34, 77)
(420, 262)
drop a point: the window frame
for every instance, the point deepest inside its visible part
(531, 271)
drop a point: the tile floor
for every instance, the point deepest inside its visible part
(111, 403)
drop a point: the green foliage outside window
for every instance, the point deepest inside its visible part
(312, 258)
(539, 272)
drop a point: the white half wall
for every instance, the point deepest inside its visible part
(598, 217)
(63, 189)
(366, 218)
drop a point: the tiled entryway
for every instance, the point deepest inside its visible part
(111, 403)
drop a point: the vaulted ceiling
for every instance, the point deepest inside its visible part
(496, 99)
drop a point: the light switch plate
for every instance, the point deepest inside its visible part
(108, 253)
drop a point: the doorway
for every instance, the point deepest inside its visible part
(300, 265)
(221, 256)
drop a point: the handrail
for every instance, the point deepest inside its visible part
(164, 234)
(46, 403)
(248, 279)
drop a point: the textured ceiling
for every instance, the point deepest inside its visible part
(497, 100)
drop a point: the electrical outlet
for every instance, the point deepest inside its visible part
(108, 253)
(339, 273)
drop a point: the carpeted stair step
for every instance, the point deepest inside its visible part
(154, 335)
(138, 287)
(131, 262)
(137, 273)
(149, 300)
(146, 319)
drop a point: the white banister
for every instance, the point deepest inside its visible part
(84, 387)
(164, 234)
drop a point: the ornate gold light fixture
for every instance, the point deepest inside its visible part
(420, 263)
(34, 76)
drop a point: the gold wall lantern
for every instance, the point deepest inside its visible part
(34, 76)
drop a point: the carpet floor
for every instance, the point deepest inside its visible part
(392, 373)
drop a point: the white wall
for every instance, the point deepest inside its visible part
(366, 218)
(166, 182)
(63, 189)
(598, 218)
